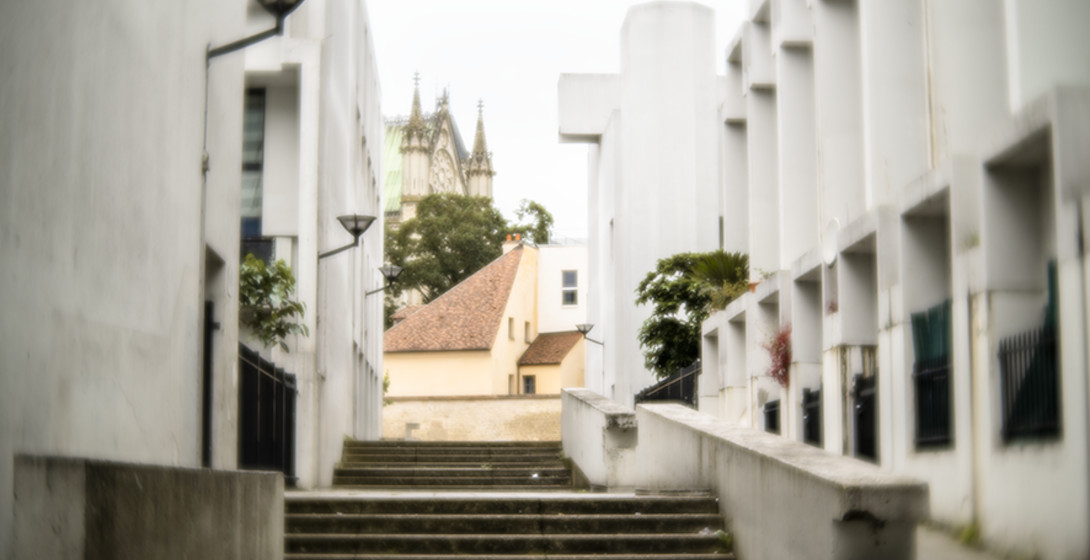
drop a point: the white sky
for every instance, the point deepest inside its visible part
(510, 53)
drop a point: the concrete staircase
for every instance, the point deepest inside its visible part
(447, 465)
(434, 501)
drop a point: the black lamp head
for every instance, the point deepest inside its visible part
(584, 328)
(279, 9)
(356, 224)
(390, 272)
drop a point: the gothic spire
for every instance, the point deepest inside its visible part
(416, 118)
(479, 146)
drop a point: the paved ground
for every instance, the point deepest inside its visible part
(934, 544)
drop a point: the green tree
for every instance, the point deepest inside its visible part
(682, 290)
(535, 223)
(451, 237)
(265, 302)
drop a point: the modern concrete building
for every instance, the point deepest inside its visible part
(654, 150)
(313, 152)
(909, 181)
(913, 208)
(124, 168)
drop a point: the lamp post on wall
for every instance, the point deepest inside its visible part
(390, 273)
(585, 328)
(279, 9)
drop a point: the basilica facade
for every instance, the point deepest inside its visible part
(425, 154)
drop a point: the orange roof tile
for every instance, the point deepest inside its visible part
(550, 348)
(467, 317)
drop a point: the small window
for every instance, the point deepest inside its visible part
(529, 385)
(511, 328)
(527, 332)
(570, 285)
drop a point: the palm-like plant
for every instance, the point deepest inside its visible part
(725, 275)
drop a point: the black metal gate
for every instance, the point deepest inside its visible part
(865, 409)
(811, 416)
(679, 387)
(266, 427)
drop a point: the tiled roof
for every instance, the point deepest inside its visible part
(467, 317)
(405, 312)
(549, 348)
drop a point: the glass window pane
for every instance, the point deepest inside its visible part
(570, 279)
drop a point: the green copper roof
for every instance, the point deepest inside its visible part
(391, 162)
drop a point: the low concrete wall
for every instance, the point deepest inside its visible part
(600, 438)
(484, 418)
(67, 508)
(781, 498)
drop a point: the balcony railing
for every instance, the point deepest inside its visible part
(932, 384)
(772, 416)
(679, 387)
(811, 416)
(1030, 385)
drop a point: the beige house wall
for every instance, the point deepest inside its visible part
(415, 374)
(506, 418)
(512, 338)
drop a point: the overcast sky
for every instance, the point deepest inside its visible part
(510, 53)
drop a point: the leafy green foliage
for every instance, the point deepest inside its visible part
(682, 290)
(535, 223)
(265, 303)
(451, 237)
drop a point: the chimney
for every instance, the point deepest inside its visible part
(513, 240)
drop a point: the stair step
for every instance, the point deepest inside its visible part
(500, 524)
(503, 544)
(627, 556)
(566, 504)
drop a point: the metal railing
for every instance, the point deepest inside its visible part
(772, 416)
(1030, 385)
(931, 380)
(864, 391)
(679, 387)
(811, 416)
(266, 426)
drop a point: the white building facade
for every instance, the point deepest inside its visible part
(112, 236)
(313, 97)
(914, 220)
(909, 179)
(653, 168)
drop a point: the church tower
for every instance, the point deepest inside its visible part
(414, 163)
(479, 168)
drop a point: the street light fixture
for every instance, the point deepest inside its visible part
(279, 9)
(355, 224)
(585, 328)
(390, 272)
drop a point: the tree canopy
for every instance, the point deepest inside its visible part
(682, 290)
(451, 237)
(535, 223)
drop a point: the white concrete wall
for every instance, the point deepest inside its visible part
(106, 227)
(654, 174)
(781, 499)
(324, 135)
(599, 436)
(552, 314)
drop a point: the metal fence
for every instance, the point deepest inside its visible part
(266, 426)
(679, 387)
(1030, 385)
(772, 416)
(865, 415)
(931, 379)
(811, 416)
